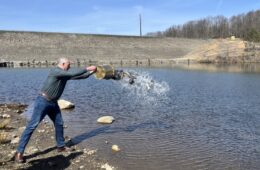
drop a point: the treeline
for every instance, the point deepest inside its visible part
(245, 26)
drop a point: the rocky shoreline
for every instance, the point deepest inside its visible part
(41, 151)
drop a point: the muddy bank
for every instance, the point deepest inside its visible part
(41, 151)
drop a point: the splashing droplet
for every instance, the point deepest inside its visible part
(145, 87)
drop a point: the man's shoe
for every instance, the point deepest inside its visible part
(64, 149)
(18, 157)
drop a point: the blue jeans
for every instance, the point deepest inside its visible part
(42, 108)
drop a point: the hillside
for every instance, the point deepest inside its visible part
(39, 48)
(225, 51)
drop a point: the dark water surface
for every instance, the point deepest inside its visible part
(186, 119)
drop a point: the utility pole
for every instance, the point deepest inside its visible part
(140, 19)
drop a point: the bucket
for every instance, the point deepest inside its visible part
(105, 72)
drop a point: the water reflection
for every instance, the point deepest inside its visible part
(109, 130)
(235, 68)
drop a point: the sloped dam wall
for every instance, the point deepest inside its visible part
(40, 48)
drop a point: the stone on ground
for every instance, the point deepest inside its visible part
(115, 148)
(106, 119)
(63, 104)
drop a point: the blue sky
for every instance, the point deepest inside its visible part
(118, 17)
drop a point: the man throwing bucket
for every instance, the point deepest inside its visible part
(46, 104)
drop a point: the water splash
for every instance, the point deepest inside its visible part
(146, 87)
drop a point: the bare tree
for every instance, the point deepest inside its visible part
(246, 26)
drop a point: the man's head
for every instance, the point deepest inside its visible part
(64, 63)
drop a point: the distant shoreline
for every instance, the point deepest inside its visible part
(216, 67)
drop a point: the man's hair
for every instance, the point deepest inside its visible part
(62, 60)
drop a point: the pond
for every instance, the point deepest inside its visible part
(189, 117)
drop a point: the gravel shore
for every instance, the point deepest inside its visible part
(41, 151)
